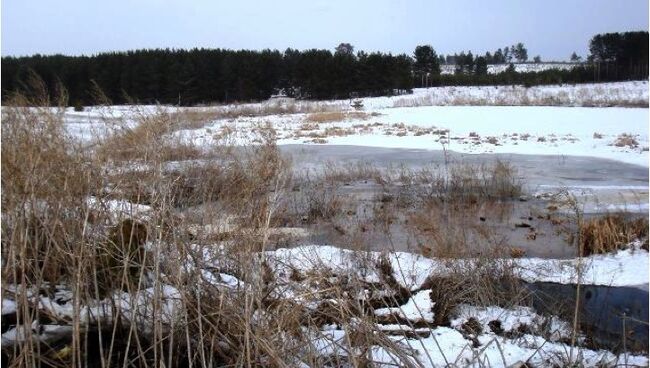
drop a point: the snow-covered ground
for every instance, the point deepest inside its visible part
(519, 67)
(488, 120)
(96, 119)
(624, 268)
(556, 131)
(472, 339)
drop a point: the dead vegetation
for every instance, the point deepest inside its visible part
(437, 206)
(146, 251)
(131, 222)
(611, 232)
(626, 140)
(336, 116)
(522, 96)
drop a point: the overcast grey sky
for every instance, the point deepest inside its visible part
(550, 28)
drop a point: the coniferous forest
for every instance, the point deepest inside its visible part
(201, 76)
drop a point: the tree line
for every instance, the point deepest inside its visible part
(189, 77)
(509, 54)
(619, 55)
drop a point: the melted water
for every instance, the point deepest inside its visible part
(607, 314)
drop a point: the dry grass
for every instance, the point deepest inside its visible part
(165, 270)
(521, 96)
(52, 236)
(336, 116)
(626, 140)
(611, 232)
(273, 107)
(438, 206)
(483, 281)
(448, 232)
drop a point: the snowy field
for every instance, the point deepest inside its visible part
(554, 131)
(488, 121)
(519, 67)
(540, 130)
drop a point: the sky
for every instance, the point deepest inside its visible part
(550, 28)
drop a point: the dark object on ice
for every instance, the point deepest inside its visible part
(496, 327)
(357, 104)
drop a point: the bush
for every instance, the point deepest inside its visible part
(78, 107)
(611, 232)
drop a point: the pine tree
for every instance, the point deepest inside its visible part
(481, 67)
(426, 64)
(575, 58)
(520, 52)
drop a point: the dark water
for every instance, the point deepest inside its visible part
(607, 314)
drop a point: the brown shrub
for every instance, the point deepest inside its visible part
(46, 178)
(517, 252)
(611, 232)
(484, 281)
(626, 140)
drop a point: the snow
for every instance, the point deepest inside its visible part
(540, 344)
(119, 209)
(411, 270)
(628, 267)
(602, 94)
(447, 347)
(471, 123)
(402, 328)
(488, 111)
(552, 131)
(418, 308)
(506, 113)
(36, 332)
(512, 319)
(134, 308)
(139, 308)
(519, 67)
(548, 130)
(617, 207)
(8, 306)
